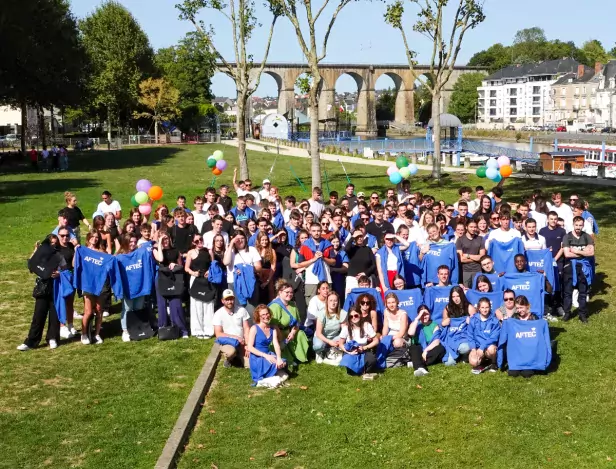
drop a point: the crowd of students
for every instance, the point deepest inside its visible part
(363, 282)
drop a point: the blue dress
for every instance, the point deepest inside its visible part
(259, 367)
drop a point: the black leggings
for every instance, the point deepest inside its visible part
(433, 356)
(43, 308)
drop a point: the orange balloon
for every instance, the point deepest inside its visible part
(155, 193)
(216, 172)
(506, 171)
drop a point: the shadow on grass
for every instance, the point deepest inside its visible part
(17, 190)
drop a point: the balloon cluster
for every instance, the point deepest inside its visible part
(401, 170)
(496, 169)
(146, 194)
(216, 163)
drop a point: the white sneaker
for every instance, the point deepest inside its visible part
(409, 364)
(98, 339)
(65, 332)
(105, 314)
(23, 348)
(125, 336)
(85, 340)
(420, 372)
(53, 344)
(76, 315)
(73, 331)
(185, 336)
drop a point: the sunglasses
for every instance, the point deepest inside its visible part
(64, 236)
(494, 218)
(354, 316)
(365, 302)
(509, 299)
(374, 198)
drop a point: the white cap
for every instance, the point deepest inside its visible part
(266, 181)
(228, 294)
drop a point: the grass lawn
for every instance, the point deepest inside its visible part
(113, 406)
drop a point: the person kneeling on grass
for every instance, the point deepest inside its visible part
(232, 330)
(266, 367)
(426, 348)
(329, 325)
(358, 342)
(483, 333)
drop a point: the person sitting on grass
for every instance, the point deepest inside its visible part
(483, 333)
(232, 330)
(266, 367)
(329, 324)
(358, 341)
(456, 317)
(395, 321)
(426, 348)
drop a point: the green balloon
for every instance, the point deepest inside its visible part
(401, 162)
(481, 171)
(405, 172)
(133, 202)
(141, 197)
(218, 155)
(211, 162)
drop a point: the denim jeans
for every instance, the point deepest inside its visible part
(130, 305)
(463, 349)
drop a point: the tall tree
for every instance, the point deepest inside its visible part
(445, 48)
(121, 56)
(594, 52)
(386, 105)
(242, 19)
(306, 32)
(534, 35)
(493, 58)
(464, 97)
(31, 75)
(160, 99)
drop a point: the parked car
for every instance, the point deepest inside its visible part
(510, 127)
(561, 128)
(608, 130)
(12, 138)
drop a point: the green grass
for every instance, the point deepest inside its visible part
(114, 405)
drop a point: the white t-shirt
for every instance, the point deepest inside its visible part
(417, 234)
(200, 218)
(206, 206)
(368, 334)
(564, 212)
(208, 239)
(312, 279)
(316, 207)
(264, 194)
(538, 242)
(243, 257)
(316, 309)
(502, 236)
(113, 207)
(540, 218)
(231, 323)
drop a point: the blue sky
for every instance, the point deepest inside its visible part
(361, 36)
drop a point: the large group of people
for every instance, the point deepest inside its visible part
(362, 281)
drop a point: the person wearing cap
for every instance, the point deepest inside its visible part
(264, 193)
(231, 326)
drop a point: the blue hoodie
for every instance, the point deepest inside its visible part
(383, 254)
(526, 343)
(92, 268)
(436, 298)
(136, 272)
(503, 254)
(440, 254)
(482, 334)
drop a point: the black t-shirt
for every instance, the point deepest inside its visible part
(472, 247)
(226, 202)
(67, 252)
(227, 227)
(553, 238)
(576, 244)
(73, 216)
(380, 230)
(182, 237)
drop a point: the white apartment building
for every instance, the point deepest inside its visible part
(605, 108)
(520, 95)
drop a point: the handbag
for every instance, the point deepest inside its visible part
(42, 288)
(202, 290)
(171, 332)
(171, 284)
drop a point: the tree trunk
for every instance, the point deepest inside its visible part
(241, 134)
(24, 125)
(53, 130)
(108, 124)
(314, 132)
(156, 131)
(42, 124)
(436, 119)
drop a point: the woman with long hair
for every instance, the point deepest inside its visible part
(161, 211)
(395, 321)
(67, 251)
(74, 215)
(366, 305)
(457, 314)
(485, 206)
(243, 264)
(268, 268)
(358, 341)
(128, 243)
(317, 304)
(294, 260)
(99, 224)
(202, 292)
(483, 334)
(137, 217)
(340, 268)
(483, 225)
(327, 330)
(540, 213)
(266, 368)
(218, 255)
(286, 317)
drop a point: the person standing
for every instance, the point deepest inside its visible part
(317, 255)
(379, 227)
(74, 215)
(350, 196)
(316, 202)
(470, 250)
(108, 205)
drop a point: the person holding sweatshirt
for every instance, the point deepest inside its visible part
(483, 333)
(426, 348)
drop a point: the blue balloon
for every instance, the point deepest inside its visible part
(492, 173)
(395, 178)
(491, 163)
(497, 178)
(413, 169)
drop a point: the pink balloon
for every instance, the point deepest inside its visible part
(503, 161)
(392, 169)
(221, 164)
(145, 209)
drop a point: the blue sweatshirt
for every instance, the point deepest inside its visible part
(92, 268)
(453, 335)
(493, 278)
(482, 334)
(412, 265)
(503, 254)
(541, 259)
(440, 254)
(62, 287)
(526, 343)
(495, 297)
(351, 298)
(529, 284)
(408, 301)
(137, 273)
(436, 298)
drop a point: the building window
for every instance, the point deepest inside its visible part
(493, 94)
(492, 112)
(536, 99)
(536, 89)
(513, 101)
(536, 111)
(493, 102)
(563, 103)
(577, 90)
(563, 91)
(513, 111)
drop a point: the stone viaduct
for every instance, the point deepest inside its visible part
(365, 76)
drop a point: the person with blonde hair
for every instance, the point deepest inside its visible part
(328, 327)
(268, 267)
(74, 215)
(266, 367)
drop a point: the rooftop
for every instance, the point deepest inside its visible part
(548, 67)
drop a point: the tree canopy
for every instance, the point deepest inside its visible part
(464, 97)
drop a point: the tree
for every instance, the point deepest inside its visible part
(120, 54)
(445, 49)
(305, 30)
(493, 58)
(31, 75)
(386, 105)
(464, 97)
(242, 19)
(530, 35)
(423, 104)
(594, 52)
(160, 99)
